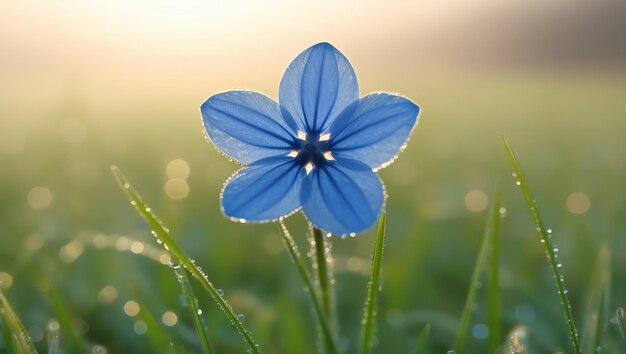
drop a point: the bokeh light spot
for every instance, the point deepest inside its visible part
(476, 200)
(578, 203)
(165, 258)
(177, 169)
(131, 308)
(107, 295)
(177, 188)
(39, 198)
(480, 331)
(6, 280)
(169, 318)
(140, 327)
(137, 247)
(53, 325)
(70, 252)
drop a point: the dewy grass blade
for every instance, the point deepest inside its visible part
(547, 242)
(490, 229)
(422, 341)
(192, 303)
(163, 236)
(156, 254)
(329, 341)
(371, 302)
(493, 283)
(19, 337)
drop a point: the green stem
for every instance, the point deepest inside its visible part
(324, 274)
(329, 341)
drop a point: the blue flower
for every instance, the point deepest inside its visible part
(316, 149)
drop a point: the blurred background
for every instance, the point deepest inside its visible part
(88, 84)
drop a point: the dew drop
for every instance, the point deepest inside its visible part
(220, 292)
(241, 317)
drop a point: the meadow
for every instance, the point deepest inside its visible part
(84, 274)
(76, 259)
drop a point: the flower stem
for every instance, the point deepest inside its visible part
(324, 274)
(331, 347)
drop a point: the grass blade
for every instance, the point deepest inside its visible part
(371, 302)
(329, 341)
(192, 303)
(491, 228)
(493, 283)
(422, 341)
(547, 242)
(596, 313)
(19, 337)
(163, 236)
(64, 319)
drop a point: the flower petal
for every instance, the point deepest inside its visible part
(264, 191)
(246, 125)
(343, 197)
(376, 131)
(316, 87)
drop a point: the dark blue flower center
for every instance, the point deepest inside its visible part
(311, 151)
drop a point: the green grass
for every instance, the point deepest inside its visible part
(490, 240)
(568, 132)
(373, 288)
(550, 249)
(162, 234)
(16, 338)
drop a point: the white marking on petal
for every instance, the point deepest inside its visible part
(293, 153)
(308, 167)
(301, 135)
(324, 137)
(328, 155)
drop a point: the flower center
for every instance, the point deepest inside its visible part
(311, 152)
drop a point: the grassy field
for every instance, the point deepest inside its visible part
(73, 250)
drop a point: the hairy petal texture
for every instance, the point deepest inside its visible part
(264, 191)
(246, 125)
(342, 197)
(375, 131)
(316, 87)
